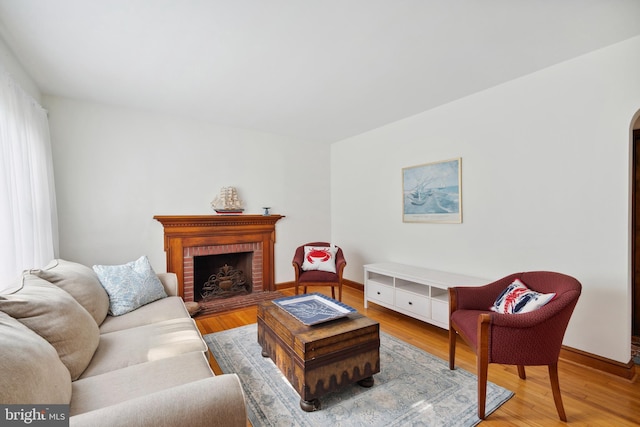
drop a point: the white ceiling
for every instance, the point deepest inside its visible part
(319, 70)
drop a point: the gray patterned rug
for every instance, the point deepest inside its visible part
(413, 388)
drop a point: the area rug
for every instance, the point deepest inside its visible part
(413, 388)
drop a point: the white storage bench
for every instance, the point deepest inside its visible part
(418, 292)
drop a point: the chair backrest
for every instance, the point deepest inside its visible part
(549, 281)
(315, 244)
(513, 346)
(299, 254)
(300, 249)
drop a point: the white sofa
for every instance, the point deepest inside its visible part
(149, 367)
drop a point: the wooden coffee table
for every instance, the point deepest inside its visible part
(321, 358)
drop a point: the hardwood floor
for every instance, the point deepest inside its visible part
(590, 397)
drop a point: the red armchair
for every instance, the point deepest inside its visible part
(533, 338)
(317, 277)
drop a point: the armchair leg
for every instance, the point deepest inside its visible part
(555, 388)
(483, 368)
(482, 356)
(521, 373)
(452, 347)
(333, 292)
(340, 292)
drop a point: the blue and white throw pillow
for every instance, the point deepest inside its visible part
(130, 285)
(517, 298)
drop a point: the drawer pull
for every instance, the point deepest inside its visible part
(410, 303)
(378, 292)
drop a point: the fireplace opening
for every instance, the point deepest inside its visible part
(222, 275)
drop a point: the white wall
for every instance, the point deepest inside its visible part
(545, 165)
(545, 186)
(11, 65)
(116, 168)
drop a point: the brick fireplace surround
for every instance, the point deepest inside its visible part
(196, 235)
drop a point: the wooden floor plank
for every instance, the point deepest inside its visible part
(590, 397)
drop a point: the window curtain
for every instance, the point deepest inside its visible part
(28, 221)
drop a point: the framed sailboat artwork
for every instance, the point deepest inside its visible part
(432, 192)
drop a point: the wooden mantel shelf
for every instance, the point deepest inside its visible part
(187, 223)
(183, 231)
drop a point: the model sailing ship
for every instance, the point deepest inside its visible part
(227, 201)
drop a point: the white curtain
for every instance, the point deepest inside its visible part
(28, 220)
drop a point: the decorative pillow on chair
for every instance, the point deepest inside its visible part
(517, 298)
(321, 258)
(130, 285)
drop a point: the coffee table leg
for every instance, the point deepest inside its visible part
(366, 382)
(264, 354)
(310, 405)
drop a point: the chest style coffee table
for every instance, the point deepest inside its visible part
(320, 358)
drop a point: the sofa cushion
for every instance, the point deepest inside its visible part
(157, 311)
(54, 315)
(30, 370)
(81, 282)
(134, 381)
(156, 341)
(130, 285)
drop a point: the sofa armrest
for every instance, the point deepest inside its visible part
(214, 401)
(170, 283)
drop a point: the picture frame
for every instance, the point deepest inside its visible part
(432, 192)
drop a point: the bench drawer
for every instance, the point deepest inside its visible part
(413, 303)
(379, 292)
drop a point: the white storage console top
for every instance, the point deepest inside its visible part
(415, 291)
